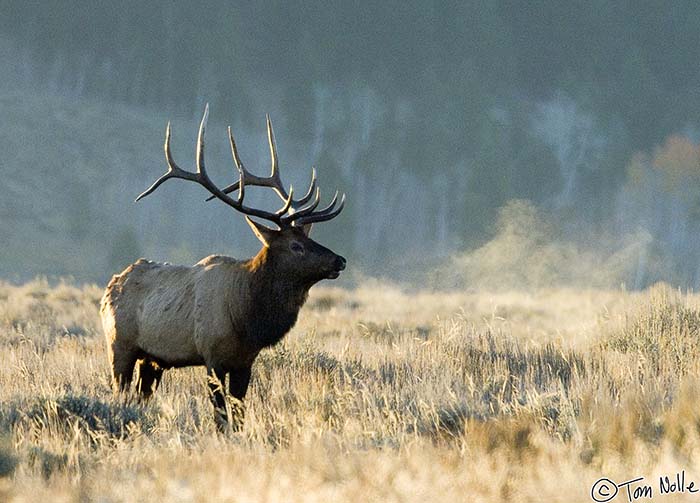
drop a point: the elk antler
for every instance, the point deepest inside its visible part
(293, 212)
(298, 213)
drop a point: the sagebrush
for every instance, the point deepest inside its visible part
(377, 394)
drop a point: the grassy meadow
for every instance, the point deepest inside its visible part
(378, 394)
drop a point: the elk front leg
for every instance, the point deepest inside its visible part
(237, 388)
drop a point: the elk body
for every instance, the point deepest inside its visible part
(221, 312)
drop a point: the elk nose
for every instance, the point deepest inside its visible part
(340, 263)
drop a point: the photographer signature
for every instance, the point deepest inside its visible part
(604, 489)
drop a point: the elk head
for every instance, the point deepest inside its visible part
(288, 246)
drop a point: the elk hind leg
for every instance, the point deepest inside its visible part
(150, 374)
(123, 362)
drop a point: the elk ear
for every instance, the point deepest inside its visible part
(306, 229)
(262, 232)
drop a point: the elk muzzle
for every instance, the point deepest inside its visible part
(339, 265)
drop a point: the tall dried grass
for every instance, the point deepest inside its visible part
(377, 394)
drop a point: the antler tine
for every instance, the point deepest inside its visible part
(309, 193)
(168, 153)
(305, 215)
(202, 178)
(274, 172)
(298, 217)
(251, 178)
(308, 209)
(241, 183)
(273, 181)
(153, 187)
(234, 150)
(293, 212)
(243, 173)
(331, 204)
(239, 165)
(200, 144)
(173, 170)
(287, 203)
(325, 214)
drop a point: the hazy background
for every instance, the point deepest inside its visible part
(481, 144)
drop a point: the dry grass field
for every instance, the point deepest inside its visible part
(377, 394)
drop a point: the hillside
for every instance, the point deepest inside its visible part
(72, 169)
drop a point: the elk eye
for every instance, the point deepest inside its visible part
(296, 247)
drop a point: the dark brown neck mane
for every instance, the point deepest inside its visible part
(276, 299)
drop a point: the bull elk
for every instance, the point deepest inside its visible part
(220, 312)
